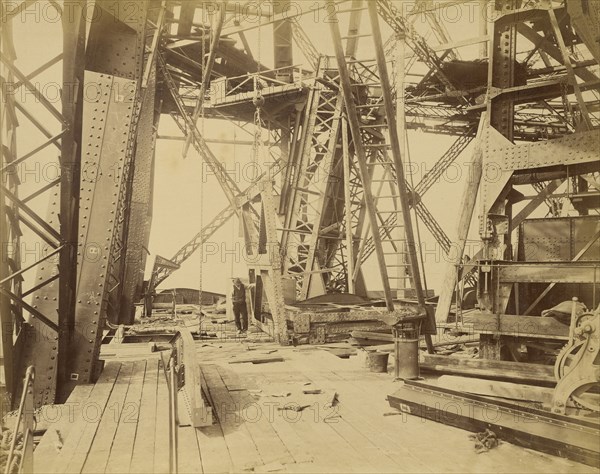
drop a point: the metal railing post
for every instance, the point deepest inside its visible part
(173, 461)
(24, 418)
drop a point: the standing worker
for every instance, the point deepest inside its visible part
(238, 298)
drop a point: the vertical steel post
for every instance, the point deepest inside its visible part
(361, 155)
(74, 32)
(401, 181)
(347, 163)
(173, 442)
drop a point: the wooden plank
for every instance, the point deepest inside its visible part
(494, 388)
(444, 449)
(518, 325)
(491, 369)
(258, 360)
(355, 428)
(188, 453)
(289, 434)
(438, 341)
(242, 449)
(266, 439)
(318, 440)
(100, 449)
(84, 428)
(58, 431)
(233, 382)
(317, 443)
(161, 437)
(214, 452)
(391, 435)
(142, 459)
(120, 454)
(467, 206)
(543, 431)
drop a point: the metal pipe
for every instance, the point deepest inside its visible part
(27, 381)
(173, 461)
(396, 334)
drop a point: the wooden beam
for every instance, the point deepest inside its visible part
(518, 326)
(467, 207)
(497, 389)
(551, 433)
(490, 369)
(580, 254)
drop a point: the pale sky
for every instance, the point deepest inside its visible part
(177, 194)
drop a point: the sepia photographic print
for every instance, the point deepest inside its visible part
(354, 236)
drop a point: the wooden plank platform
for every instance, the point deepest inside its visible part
(265, 421)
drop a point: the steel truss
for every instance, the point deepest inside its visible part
(546, 164)
(38, 320)
(341, 195)
(93, 211)
(314, 235)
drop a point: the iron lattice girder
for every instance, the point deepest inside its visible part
(315, 157)
(206, 72)
(424, 213)
(417, 43)
(444, 162)
(162, 272)
(60, 234)
(314, 202)
(353, 121)
(138, 213)
(187, 126)
(32, 88)
(305, 44)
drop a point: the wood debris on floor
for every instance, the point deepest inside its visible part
(309, 412)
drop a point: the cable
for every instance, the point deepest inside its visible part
(202, 183)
